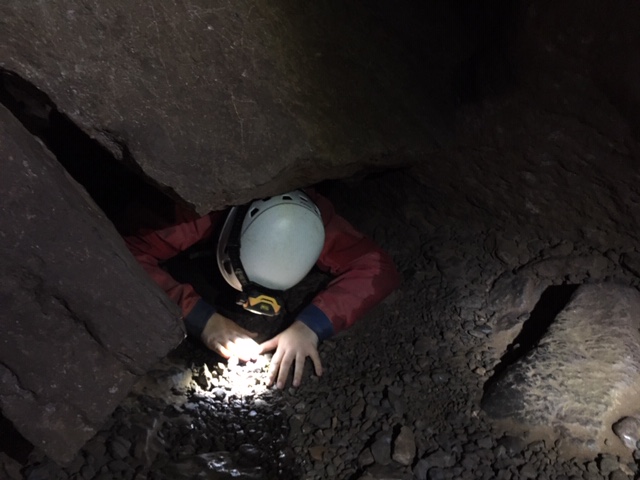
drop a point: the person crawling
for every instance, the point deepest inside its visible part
(262, 250)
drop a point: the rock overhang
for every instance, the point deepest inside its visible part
(222, 105)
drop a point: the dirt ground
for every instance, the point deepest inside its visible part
(400, 395)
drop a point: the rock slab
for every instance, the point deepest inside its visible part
(79, 318)
(584, 374)
(228, 103)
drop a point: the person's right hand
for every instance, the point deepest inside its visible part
(228, 339)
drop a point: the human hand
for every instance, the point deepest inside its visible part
(228, 339)
(295, 344)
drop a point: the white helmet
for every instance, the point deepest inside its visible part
(271, 244)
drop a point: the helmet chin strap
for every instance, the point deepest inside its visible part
(254, 298)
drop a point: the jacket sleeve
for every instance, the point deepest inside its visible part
(151, 247)
(365, 275)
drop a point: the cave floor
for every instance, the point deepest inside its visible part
(420, 360)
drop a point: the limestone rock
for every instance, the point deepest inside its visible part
(585, 370)
(79, 318)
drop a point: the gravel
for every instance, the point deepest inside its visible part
(399, 398)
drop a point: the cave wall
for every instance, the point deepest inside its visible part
(79, 321)
(592, 41)
(554, 151)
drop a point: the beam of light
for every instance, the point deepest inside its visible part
(173, 381)
(243, 348)
(235, 378)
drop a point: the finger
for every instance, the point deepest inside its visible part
(252, 349)
(287, 360)
(317, 364)
(218, 347)
(269, 344)
(245, 349)
(275, 366)
(234, 350)
(298, 369)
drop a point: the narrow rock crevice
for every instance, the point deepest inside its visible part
(551, 302)
(55, 244)
(12, 442)
(113, 183)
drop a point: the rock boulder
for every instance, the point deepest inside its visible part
(582, 377)
(79, 320)
(226, 103)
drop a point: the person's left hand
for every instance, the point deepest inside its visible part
(295, 344)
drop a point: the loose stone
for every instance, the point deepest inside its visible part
(628, 430)
(404, 447)
(381, 449)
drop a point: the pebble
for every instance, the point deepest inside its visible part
(436, 473)
(87, 472)
(480, 371)
(358, 409)
(420, 469)
(440, 377)
(381, 449)
(608, 464)
(381, 472)
(321, 417)
(317, 451)
(486, 329)
(512, 445)
(345, 422)
(618, 475)
(404, 447)
(485, 442)
(628, 430)
(365, 458)
(119, 447)
(440, 459)
(478, 333)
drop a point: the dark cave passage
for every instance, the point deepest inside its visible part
(12, 443)
(470, 140)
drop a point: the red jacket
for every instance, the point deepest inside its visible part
(364, 273)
